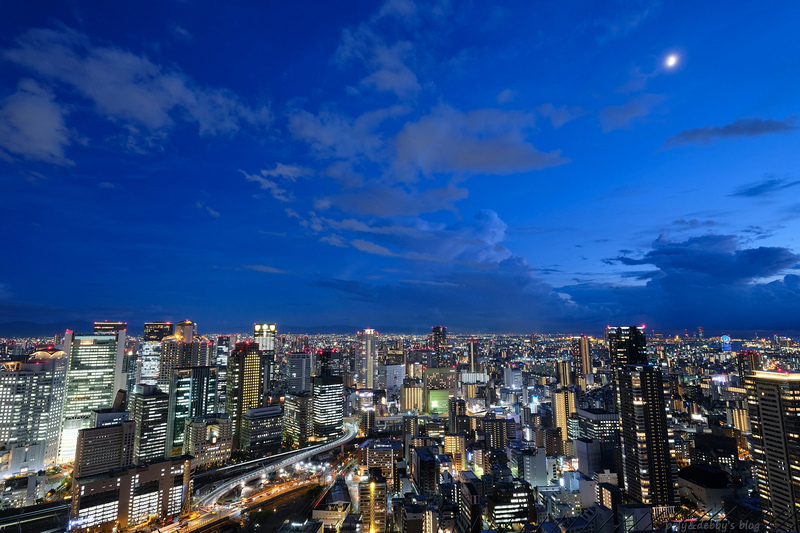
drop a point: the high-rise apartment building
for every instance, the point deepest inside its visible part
(95, 373)
(367, 363)
(372, 502)
(581, 355)
(650, 471)
(472, 355)
(774, 403)
(563, 408)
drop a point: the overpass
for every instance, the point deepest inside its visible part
(351, 430)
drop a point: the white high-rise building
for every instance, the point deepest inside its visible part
(368, 358)
(31, 399)
(95, 372)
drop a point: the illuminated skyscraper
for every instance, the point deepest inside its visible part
(149, 408)
(367, 366)
(328, 407)
(110, 327)
(650, 471)
(193, 394)
(94, 375)
(300, 369)
(581, 355)
(372, 502)
(245, 384)
(183, 349)
(774, 403)
(157, 331)
(563, 409)
(472, 351)
(31, 396)
(264, 335)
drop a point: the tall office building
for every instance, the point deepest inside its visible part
(774, 403)
(245, 384)
(186, 329)
(31, 396)
(94, 375)
(298, 421)
(650, 471)
(193, 394)
(103, 448)
(581, 355)
(149, 408)
(157, 331)
(367, 363)
(264, 335)
(328, 406)
(301, 367)
(149, 363)
(110, 327)
(183, 349)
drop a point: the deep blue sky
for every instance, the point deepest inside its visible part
(508, 166)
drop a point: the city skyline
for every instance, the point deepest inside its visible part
(503, 168)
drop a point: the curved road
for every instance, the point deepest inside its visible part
(351, 430)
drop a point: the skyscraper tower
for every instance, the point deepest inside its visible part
(650, 471)
(773, 401)
(300, 370)
(472, 353)
(368, 358)
(157, 331)
(149, 408)
(626, 345)
(94, 375)
(31, 396)
(581, 355)
(328, 406)
(563, 409)
(264, 335)
(193, 394)
(372, 502)
(245, 384)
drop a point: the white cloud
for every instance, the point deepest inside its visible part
(372, 248)
(483, 141)
(559, 115)
(207, 209)
(32, 125)
(506, 96)
(130, 88)
(264, 268)
(387, 64)
(621, 116)
(276, 190)
(291, 172)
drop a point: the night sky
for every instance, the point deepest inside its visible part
(495, 166)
